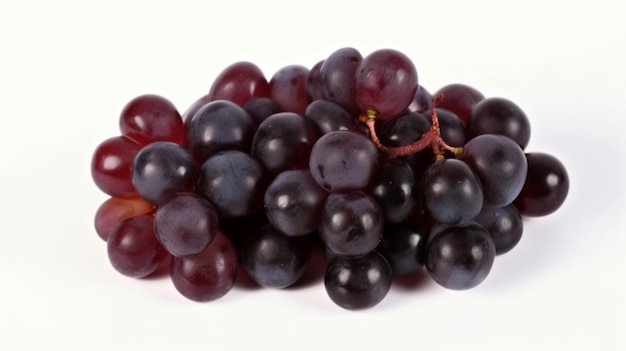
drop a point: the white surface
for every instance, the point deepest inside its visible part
(68, 68)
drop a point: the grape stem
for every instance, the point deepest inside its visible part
(431, 138)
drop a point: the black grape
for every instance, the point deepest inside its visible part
(330, 116)
(403, 245)
(504, 225)
(395, 190)
(499, 116)
(546, 186)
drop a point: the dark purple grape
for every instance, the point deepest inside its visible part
(343, 160)
(451, 192)
(451, 127)
(261, 108)
(133, 249)
(111, 166)
(357, 283)
(239, 83)
(288, 88)
(386, 82)
(161, 170)
(352, 223)
(149, 118)
(294, 202)
(500, 165)
(404, 130)
(208, 275)
(313, 85)
(274, 260)
(422, 101)
(329, 116)
(459, 257)
(337, 75)
(283, 141)
(217, 126)
(460, 99)
(395, 190)
(546, 185)
(499, 116)
(234, 182)
(186, 224)
(403, 245)
(504, 224)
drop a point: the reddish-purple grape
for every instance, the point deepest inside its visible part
(499, 116)
(186, 224)
(161, 170)
(234, 182)
(459, 257)
(283, 141)
(451, 192)
(133, 249)
(352, 223)
(288, 88)
(357, 283)
(149, 118)
(114, 210)
(294, 202)
(386, 82)
(111, 166)
(504, 224)
(275, 260)
(239, 83)
(546, 185)
(208, 275)
(343, 160)
(217, 126)
(313, 85)
(337, 78)
(460, 99)
(500, 165)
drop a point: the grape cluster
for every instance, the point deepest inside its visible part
(352, 155)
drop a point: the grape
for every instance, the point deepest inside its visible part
(451, 192)
(162, 169)
(395, 190)
(133, 249)
(208, 275)
(499, 116)
(329, 116)
(294, 202)
(459, 257)
(234, 182)
(111, 166)
(357, 283)
(422, 101)
(459, 99)
(217, 126)
(186, 224)
(352, 223)
(404, 130)
(313, 87)
(149, 118)
(343, 160)
(114, 210)
(284, 141)
(546, 185)
(239, 83)
(451, 127)
(288, 88)
(274, 260)
(500, 165)
(386, 82)
(403, 245)
(191, 111)
(337, 78)
(504, 225)
(260, 108)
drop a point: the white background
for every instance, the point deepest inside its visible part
(68, 68)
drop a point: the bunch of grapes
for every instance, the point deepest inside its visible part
(352, 154)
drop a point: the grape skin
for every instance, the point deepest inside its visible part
(114, 210)
(546, 185)
(239, 83)
(499, 116)
(288, 88)
(148, 118)
(504, 225)
(111, 166)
